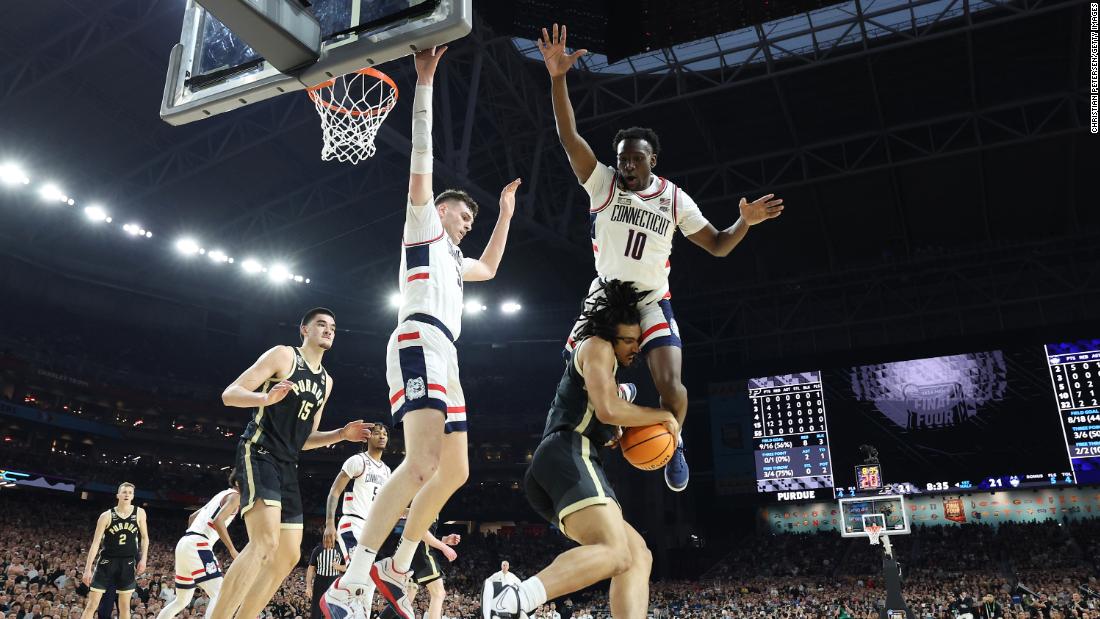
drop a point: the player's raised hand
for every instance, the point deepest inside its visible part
(761, 209)
(356, 431)
(278, 392)
(426, 61)
(552, 46)
(508, 198)
(328, 538)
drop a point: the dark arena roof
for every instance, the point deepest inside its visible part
(931, 156)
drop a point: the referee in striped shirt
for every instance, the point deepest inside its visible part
(325, 564)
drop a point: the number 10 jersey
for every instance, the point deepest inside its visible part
(632, 231)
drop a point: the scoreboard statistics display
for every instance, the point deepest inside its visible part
(1027, 416)
(792, 440)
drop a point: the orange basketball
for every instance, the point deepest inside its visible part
(648, 447)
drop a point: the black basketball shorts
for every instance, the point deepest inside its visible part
(275, 482)
(426, 565)
(116, 573)
(566, 476)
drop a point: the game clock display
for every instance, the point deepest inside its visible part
(971, 421)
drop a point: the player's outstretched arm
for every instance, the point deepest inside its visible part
(558, 63)
(721, 242)
(434, 542)
(420, 165)
(230, 504)
(328, 538)
(356, 431)
(242, 392)
(93, 548)
(485, 268)
(597, 360)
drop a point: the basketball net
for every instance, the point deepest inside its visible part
(352, 108)
(874, 532)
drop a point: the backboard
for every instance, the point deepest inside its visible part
(887, 511)
(211, 70)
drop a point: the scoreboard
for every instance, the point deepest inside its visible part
(942, 424)
(1075, 376)
(790, 434)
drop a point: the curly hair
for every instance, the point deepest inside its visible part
(637, 133)
(602, 315)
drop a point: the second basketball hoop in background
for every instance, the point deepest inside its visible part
(352, 108)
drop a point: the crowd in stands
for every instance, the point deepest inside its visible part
(796, 576)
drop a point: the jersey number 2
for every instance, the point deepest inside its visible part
(635, 244)
(122, 539)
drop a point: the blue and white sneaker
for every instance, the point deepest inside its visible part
(505, 604)
(676, 471)
(628, 391)
(394, 587)
(349, 601)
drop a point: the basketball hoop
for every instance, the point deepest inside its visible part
(352, 108)
(874, 532)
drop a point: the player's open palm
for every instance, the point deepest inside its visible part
(508, 197)
(552, 46)
(426, 60)
(278, 392)
(356, 431)
(761, 209)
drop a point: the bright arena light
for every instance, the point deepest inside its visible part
(474, 306)
(395, 299)
(279, 273)
(251, 266)
(510, 307)
(11, 174)
(52, 193)
(133, 229)
(187, 246)
(217, 255)
(95, 213)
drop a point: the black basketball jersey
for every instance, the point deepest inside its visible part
(282, 428)
(122, 538)
(571, 409)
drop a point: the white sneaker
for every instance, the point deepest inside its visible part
(394, 587)
(349, 601)
(505, 604)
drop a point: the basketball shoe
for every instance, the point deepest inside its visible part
(628, 391)
(505, 604)
(394, 586)
(676, 471)
(349, 601)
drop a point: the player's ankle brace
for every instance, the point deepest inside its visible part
(421, 160)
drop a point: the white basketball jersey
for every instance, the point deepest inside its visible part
(632, 232)
(431, 269)
(368, 476)
(203, 524)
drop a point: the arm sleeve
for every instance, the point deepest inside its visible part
(599, 183)
(688, 216)
(353, 466)
(422, 223)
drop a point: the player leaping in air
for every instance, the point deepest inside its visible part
(634, 216)
(422, 369)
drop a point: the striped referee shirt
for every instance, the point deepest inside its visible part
(322, 558)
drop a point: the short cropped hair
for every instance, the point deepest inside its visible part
(459, 195)
(125, 484)
(314, 312)
(637, 133)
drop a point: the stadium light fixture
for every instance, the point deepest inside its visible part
(52, 193)
(12, 174)
(510, 307)
(133, 229)
(395, 300)
(474, 306)
(217, 255)
(278, 273)
(251, 266)
(187, 246)
(96, 214)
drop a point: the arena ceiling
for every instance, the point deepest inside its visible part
(894, 130)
